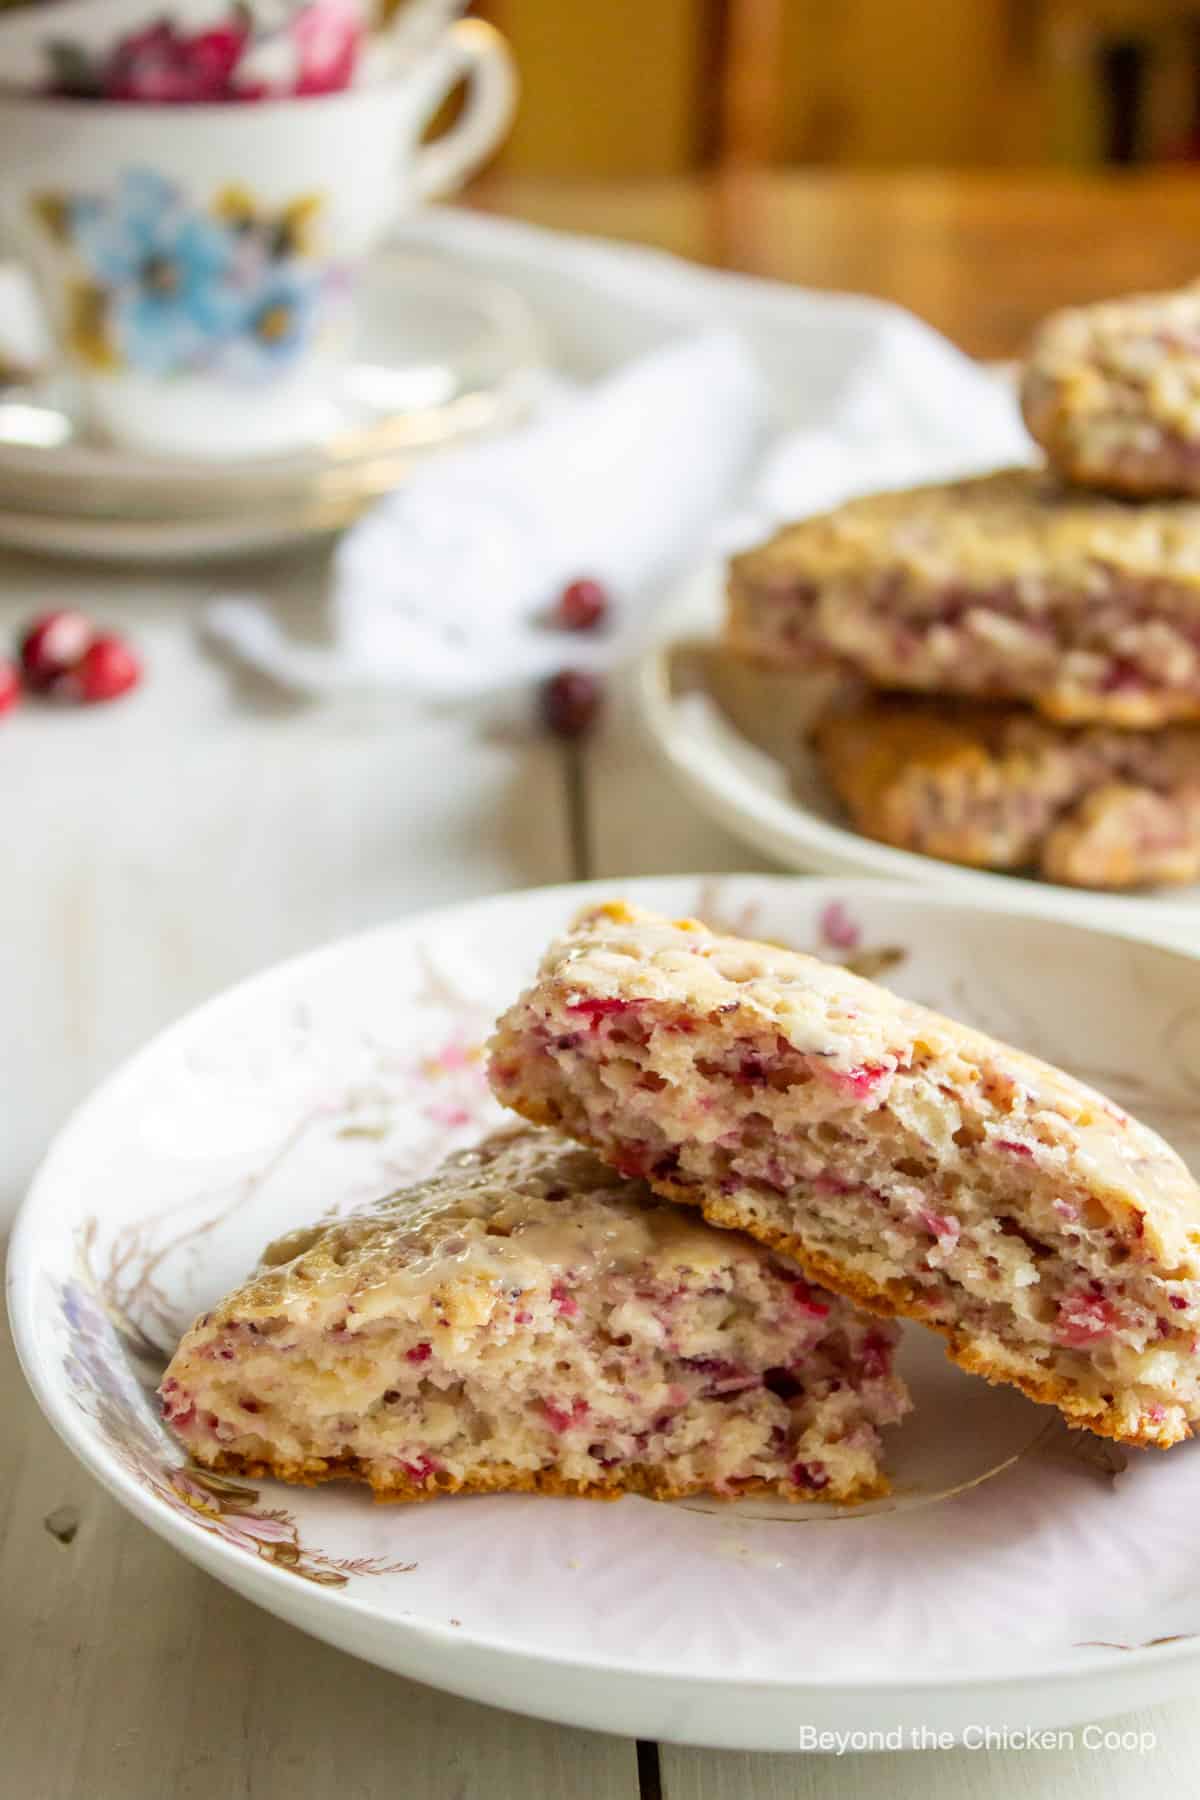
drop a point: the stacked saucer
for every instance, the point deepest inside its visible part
(439, 356)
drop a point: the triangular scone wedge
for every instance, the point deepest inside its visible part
(527, 1319)
(910, 1162)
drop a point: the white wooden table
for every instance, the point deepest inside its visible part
(155, 852)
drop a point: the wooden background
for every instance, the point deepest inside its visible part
(622, 88)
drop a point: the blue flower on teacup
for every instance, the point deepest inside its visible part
(277, 323)
(165, 267)
(161, 286)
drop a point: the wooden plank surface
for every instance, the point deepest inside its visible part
(207, 827)
(1167, 1765)
(127, 1674)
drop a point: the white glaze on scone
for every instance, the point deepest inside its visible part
(1112, 393)
(1004, 587)
(526, 1319)
(921, 1166)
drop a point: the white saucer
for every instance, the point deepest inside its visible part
(735, 737)
(1021, 1576)
(440, 355)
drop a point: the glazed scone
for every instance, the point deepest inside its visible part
(1112, 393)
(1002, 788)
(1004, 587)
(528, 1319)
(919, 1166)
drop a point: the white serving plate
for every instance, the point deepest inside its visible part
(735, 741)
(1022, 1576)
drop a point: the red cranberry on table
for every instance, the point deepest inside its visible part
(64, 658)
(109, 667)
(10, 685)
(52, 646)
(571, 702)
(582, 606)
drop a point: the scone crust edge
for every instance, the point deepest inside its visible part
(505, 1478)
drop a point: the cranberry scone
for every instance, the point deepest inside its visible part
(1002, 788)
(527, 1319)
(1112, 393)
(1003, 587)
(914, 1164)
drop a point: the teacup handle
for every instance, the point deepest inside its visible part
(476, 53)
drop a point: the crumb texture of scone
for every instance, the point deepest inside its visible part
(908, 1161)
(526, 1319)
(1003, 587)
(1002, 788)
(1112, 393)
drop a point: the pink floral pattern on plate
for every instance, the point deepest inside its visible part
(120, 1326)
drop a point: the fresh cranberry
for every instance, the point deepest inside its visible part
(1015, 1149)
(1178, 1302)
(582, 606)
(419, 1353)
(52, 646)
(571, 702)
(10, 685)
(109, 668)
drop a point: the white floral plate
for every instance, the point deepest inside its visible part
(1022, 1575)
(735, 736)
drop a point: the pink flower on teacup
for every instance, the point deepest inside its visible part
(327, 34)
(315, 51)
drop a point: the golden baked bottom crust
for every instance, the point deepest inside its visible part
(1001, 788)
(510, 1480)
(1004, 587)
(1112, 394)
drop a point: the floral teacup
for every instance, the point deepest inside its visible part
(198, 263)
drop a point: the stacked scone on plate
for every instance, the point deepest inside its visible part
(681, 1274)
(1028, 642)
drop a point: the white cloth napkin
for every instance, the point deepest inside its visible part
(755, 403)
